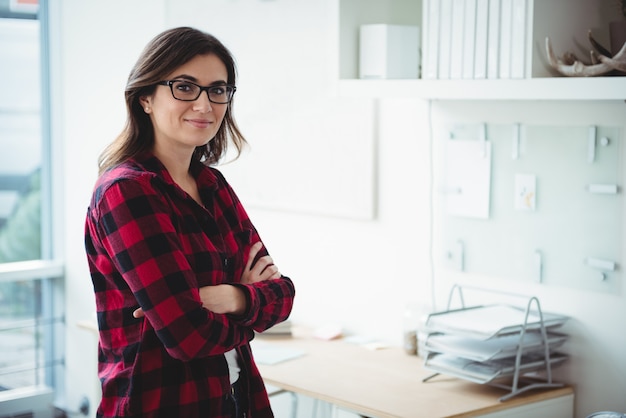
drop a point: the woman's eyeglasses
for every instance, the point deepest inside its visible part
(188, 91)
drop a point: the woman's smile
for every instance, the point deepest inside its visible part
(199, 123)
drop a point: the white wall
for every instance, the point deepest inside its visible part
(356, 273)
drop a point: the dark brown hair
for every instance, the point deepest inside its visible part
(164, 54)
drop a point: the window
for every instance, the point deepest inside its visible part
(31, 326)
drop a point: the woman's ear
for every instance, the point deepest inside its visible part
(146, 103)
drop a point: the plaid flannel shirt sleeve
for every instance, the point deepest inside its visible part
(136, 231)
(270, 301)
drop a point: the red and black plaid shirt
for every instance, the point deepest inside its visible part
(150, 245)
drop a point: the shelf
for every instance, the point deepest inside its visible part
(568, 33)
(548, 88)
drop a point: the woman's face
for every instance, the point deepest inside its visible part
(181, 126)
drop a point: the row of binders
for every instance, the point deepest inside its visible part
(475, 39)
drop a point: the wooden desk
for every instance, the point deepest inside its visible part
(388, 383)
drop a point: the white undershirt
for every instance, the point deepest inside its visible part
(233, 365)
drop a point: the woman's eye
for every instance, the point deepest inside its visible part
(218, 90)
(184, 87)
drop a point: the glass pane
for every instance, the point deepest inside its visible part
(21, 346)
(25, 335)
(20, 140)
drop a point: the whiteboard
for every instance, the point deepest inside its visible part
(309, 155)
(567, 225)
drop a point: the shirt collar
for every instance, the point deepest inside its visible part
(204, 175)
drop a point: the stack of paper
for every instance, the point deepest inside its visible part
(270, 354)
(493, 348)
(490, 321)
(282, 328)
(485, 372)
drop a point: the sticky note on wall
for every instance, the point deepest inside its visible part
(525, 192)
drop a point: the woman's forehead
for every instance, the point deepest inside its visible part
(202, 69)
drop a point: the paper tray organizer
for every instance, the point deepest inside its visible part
(488, 344)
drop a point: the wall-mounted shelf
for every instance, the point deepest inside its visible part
(556, 88)
(568, 32)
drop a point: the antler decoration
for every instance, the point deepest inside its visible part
(601, 61)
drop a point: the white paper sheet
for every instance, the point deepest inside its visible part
(468, 178)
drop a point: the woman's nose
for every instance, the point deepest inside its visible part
(202, 103)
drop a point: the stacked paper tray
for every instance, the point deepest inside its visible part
(485, 372)
(492, 348)
(482, 343)
(484, 322)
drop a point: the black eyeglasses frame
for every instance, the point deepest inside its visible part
(170, 83)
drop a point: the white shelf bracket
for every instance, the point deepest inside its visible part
(602, 265)
(483, 138)
(515, 144)
(591, 144)
(538, 266)
(460, 256)
(603, 188)
(457, 256)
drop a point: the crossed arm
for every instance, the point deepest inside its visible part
(227, 299)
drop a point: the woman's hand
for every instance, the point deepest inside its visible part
(223, 299)
(220, 299)
(263, 269)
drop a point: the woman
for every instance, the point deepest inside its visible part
(180, 275)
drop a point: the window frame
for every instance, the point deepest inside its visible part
(50, 268)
